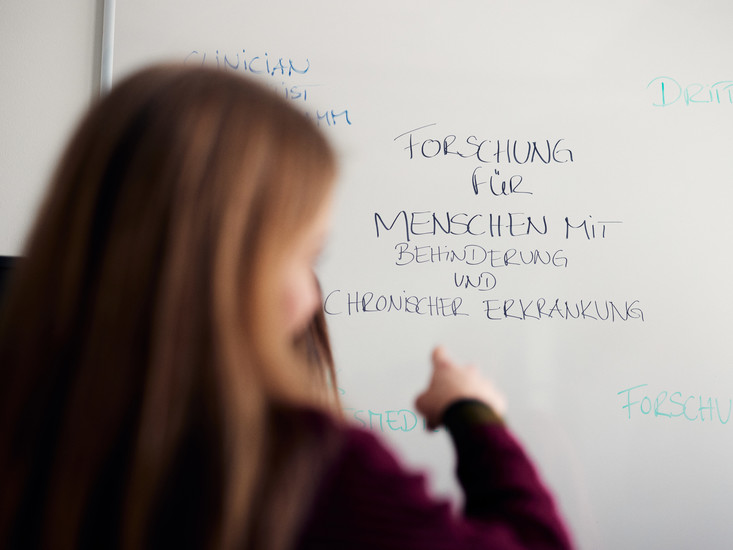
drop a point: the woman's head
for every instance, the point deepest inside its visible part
(160, 280)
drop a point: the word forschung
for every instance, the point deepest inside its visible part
(485, 151)
(674, 405)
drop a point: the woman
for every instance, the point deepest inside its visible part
(152, 393)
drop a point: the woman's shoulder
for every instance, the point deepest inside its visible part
(358, 452)
(355, 447)
(367, 497)
(361, 466)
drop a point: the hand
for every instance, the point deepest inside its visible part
(451, 383)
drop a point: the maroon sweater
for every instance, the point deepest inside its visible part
(369, 501)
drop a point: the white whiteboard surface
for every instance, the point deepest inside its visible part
(48, 66)
(649, 174)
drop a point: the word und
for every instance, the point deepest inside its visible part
(668, 92)
(678, 405)
(369, 302)
(475, 254)
(485, 151)
(402, 420)
(542, 309)
(483, 281)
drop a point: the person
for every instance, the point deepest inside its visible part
(314, 344)
(153, 390)
(6, 266)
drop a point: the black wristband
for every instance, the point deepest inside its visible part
(469, 412)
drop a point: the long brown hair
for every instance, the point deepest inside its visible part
(146, 388)
(315, 345)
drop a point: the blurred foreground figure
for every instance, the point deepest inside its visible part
(154, 392)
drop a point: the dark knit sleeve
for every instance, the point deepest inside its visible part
(500, 484)
(368, 500)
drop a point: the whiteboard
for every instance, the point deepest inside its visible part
(543, 187)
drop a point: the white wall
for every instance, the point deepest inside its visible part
(48, 68)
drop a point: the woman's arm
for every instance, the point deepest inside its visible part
(368, 500)
(500, 484)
